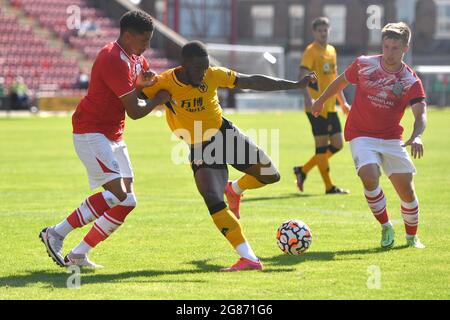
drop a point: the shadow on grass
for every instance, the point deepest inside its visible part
(59, 279)
(203, 265)
(54, 279)
(286, 260)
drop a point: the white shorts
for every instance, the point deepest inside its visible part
(388, 154)
(105, 160)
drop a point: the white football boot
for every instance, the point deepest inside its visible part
(53, 243)
(80, 260)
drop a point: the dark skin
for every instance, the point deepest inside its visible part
(211, 182)
(135, 44)
(193, 71)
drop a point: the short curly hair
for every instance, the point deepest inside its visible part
(136, 21)
(194, 49)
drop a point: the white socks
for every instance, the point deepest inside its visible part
(236, 188)
(372, 193)
(245, 251)
(387, 224)
(63, 228)
(410, 214)
(82, 248)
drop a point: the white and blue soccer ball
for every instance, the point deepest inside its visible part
(294, 237)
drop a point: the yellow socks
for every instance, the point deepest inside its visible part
(321, 160)
(324, 170)
(229, 226)
(310, 164)
(249, 182)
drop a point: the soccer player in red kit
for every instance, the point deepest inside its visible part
(385, 86)
(118, 75)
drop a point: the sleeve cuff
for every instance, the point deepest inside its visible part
(123, 95)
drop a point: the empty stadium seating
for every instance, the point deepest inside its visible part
(24, 53)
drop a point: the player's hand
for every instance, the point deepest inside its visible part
(161, 97)
(145, 79)
(309, 78)
(416, 147)
(346, 108)
(308, 104)
(317, 107)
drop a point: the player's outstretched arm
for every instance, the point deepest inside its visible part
(136, 111)
(420, 115)
(337, 85)
(266, 83)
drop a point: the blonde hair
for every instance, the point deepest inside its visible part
(397, 31)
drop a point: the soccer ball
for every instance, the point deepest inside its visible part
(294, 237)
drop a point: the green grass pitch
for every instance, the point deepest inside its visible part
(169, 247)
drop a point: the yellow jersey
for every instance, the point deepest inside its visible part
(195, 114)
(323, 62)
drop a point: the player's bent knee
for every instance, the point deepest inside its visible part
(116, 188)
(121, 211)
(268, 174)
(122, 196)
(269, 179)
(130, 200)
(276, 177)
(370, 181)
(369, 172)
(321, 150)
(335, 148)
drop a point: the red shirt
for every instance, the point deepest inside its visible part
(113, 76)
(381, 98)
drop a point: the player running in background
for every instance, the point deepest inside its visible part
(320, 57)
(118, 74)
(195, 116)
(385, 86)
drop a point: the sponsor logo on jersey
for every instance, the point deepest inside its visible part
(397, 89)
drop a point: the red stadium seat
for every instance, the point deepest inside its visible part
(22, 50)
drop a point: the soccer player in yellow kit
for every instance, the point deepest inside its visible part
(195, 115)
(320, 57)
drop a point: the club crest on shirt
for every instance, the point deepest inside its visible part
(115, 165)
(203, 87)
(397, 89)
